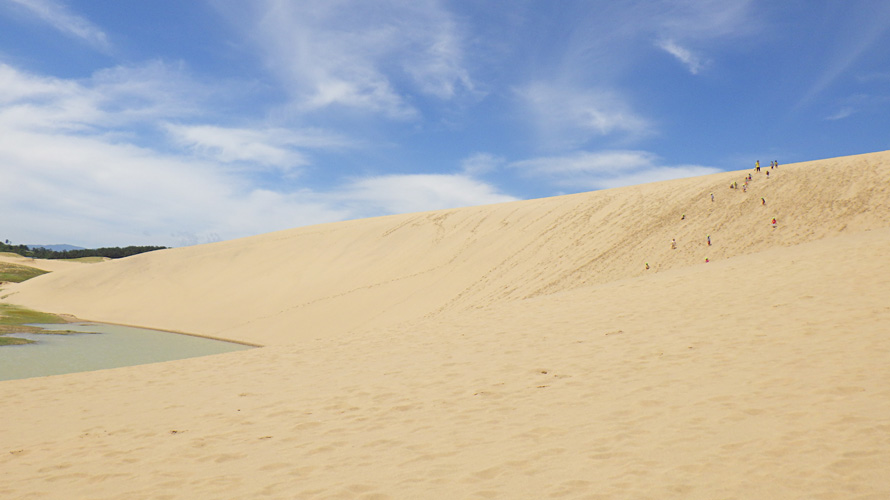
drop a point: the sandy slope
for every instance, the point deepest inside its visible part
(510, 351)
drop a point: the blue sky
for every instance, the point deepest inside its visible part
(175, 123)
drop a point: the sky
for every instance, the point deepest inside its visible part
(176, 123)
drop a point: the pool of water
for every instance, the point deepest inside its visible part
(100, 346)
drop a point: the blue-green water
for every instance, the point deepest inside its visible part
(105, 346)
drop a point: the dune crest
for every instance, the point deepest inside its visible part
(520, 350)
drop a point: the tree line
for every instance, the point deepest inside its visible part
(45, 253)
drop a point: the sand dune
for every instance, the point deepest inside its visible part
(328, 279)
(519, 350)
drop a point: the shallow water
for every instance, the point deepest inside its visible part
(105, 346)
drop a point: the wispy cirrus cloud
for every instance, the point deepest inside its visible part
(861, 30)
(686, 30)
(57, 15)
(605, 169)
(481, 163)
(584, 162)
(110, 98)
(840, 114)
(858, 104)
(703, 19)
(419, 192)
(692, 61)
(278, 148)
(567, 116)
(577, 97)
(357, 55)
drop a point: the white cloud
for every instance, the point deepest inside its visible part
(481, 163)
(654, 174)
(90, 192)
(70, 150)
(583, 162)
(436, 61)
(704, 19)
(18, 86)
(688, 30)
(369, 56)
(419, 193)
(237, 145)
(268, 147)
(68, 147)
(29, 102)
(59, 17)
(574, 95)
(94, 192)
(605, 169)
(841, 113)
(111, 98)
(568, 116)
(692, 61)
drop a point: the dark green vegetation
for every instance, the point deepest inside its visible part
(43, 253)
(13, 320)
(4, 340)
(15, 315)
(17, 273)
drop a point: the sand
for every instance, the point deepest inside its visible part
(519, 350)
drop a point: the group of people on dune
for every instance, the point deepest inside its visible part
(735, 185)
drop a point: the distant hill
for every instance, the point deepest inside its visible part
(56, 248)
